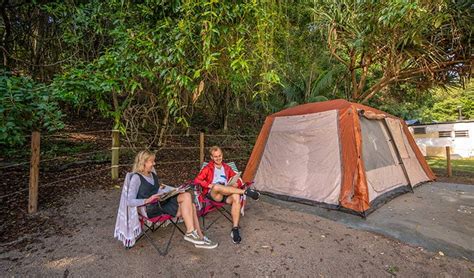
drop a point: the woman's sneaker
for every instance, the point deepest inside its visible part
(193, 237)
(208, 244)
(252, 193)
(235, 235)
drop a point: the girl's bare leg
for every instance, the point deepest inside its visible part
(185, 210)
(196, 223)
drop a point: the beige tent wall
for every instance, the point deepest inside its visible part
(302, 158)
(414, 170)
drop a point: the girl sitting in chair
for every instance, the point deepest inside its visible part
(143, 192)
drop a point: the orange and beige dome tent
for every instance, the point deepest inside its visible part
(341, 154)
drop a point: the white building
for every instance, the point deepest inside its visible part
(433, 138)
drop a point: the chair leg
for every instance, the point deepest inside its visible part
(146, 230)
(225, 213)
(165, 252)
(207, 228)
(175, 224)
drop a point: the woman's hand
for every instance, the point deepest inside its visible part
(153, 198)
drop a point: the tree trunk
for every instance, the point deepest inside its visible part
(308, 86)
(116, 109)
(225, 123)
(226, 109)
(6, 35)
(34, 43)
(164, 127)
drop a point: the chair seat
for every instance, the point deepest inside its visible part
(209, 206)
(159, 218)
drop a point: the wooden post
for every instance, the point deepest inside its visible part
(115, 153)
(34, 172)
(201, 148)
(448, 161)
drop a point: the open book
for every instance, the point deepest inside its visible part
(167, 191)
(234, 179)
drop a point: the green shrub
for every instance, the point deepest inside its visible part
(25, 106)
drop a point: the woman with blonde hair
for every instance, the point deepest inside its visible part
(144, 186)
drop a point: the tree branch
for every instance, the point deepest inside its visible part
(352, 54)
(37, 65)
(365, 63)
(407, 74)
(332, 31)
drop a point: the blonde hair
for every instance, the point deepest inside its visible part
(213, 149)
(140, 159)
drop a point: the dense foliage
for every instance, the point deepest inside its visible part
(25, 106)
(451, 105)
(155, 64)
(387, 42)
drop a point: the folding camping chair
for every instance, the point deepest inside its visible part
(208, 206)
(150, 225)
(132, 224)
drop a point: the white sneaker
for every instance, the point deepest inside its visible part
(208, 244)
(193, 237)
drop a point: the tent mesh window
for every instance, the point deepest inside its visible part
(375, 145)
(461, 133)
(444, 134)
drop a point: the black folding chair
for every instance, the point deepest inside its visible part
(153, 225)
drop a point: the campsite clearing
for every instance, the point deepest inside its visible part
(278, 239)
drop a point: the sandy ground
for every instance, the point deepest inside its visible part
(437, 216)
(277, 241)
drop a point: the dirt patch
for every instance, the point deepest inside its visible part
(456, 179)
